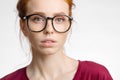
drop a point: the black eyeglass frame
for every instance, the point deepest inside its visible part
(47, 18)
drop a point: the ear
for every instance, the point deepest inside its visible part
(23, 27)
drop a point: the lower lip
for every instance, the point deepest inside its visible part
(48, 44)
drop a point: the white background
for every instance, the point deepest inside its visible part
(95, 35)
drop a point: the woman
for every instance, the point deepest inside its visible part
(46, 24)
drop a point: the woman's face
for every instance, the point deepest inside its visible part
(48, 41)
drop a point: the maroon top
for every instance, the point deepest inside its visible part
(87, 70)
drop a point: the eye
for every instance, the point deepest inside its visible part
(59, 19)
(37, 19)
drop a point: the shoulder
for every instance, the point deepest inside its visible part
(17, 75)
(94, 71)
(92, 66)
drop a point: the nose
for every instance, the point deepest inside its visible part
(49, 27)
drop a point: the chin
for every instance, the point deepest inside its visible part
(48, 51)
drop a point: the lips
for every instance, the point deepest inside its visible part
(48, 43)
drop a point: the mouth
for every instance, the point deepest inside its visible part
(48, 43)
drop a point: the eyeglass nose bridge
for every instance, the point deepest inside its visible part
(49, 18)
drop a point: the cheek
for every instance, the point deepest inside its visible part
(33, 39)
(63, 38)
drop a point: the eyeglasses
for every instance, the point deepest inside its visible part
(38, 23)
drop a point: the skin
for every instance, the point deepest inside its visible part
(49, 61)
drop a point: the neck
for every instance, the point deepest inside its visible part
(47, 60)
(49, 65)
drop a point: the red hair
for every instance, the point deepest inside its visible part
(22, 7)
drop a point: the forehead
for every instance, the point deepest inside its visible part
(48, 7)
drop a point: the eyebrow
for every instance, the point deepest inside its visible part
(55, 14)
(60, 13)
